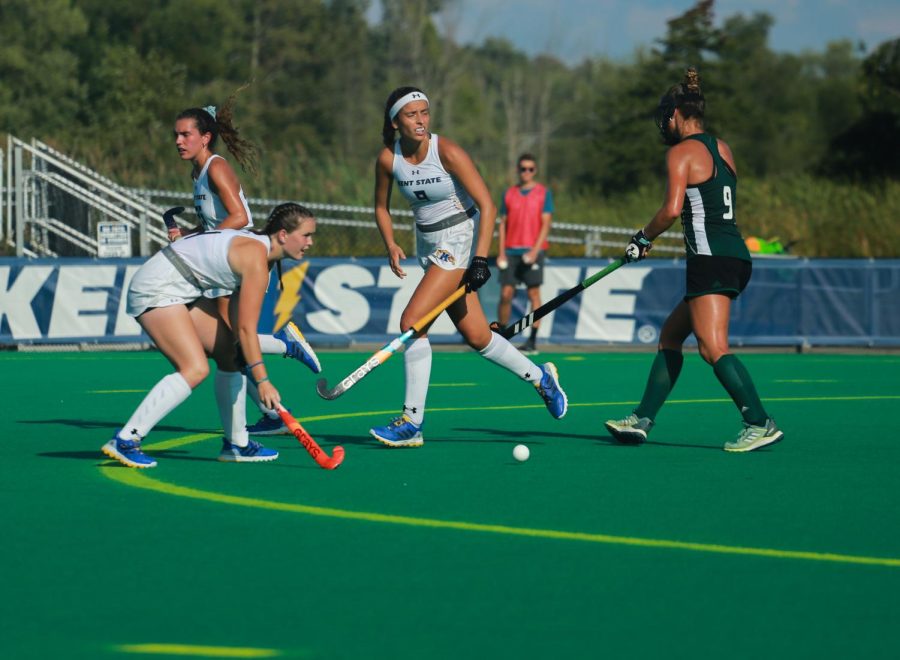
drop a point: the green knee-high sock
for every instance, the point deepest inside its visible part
(663, 374)
(736, 380)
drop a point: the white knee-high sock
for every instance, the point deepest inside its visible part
(253, 392)
(165, 396)
(417, 361)
(269, 345)
(501, 352)
(231, 390)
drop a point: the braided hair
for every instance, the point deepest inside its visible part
(287, 216)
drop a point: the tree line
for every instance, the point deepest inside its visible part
(103, 81)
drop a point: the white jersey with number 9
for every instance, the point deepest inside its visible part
(432, 193)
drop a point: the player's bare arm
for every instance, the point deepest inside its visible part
(248, 258)
(384, 180)
(225, 184)
(458, 163)
(678, 164)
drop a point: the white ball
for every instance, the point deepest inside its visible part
(527, 258)
(521, 453)
(502, 264)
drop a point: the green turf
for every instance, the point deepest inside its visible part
(483, 557)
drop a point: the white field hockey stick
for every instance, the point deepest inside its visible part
(386, 351)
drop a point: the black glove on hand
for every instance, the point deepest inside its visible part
(477, 274)
(638, 247)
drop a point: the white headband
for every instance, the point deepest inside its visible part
(403, 100)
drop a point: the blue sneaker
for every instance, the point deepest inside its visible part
(268, 426)
(254, 452)
(401, 432)
(127, 452)
(550, 391)
(297, 347)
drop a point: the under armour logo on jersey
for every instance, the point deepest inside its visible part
(415, 171)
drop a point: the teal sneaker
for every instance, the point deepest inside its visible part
(128, 452)
(297, 347)
(254, 452)
(753, 437)
(401, 432)
(551, 392)
(632, 430)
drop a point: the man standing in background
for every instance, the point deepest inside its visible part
(525, 214)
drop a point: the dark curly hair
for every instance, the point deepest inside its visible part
(244, 151)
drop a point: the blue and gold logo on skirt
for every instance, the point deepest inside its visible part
(444, 256)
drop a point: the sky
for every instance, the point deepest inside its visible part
(573, 30)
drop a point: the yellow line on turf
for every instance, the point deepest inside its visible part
(138, 479)
(180, 442)
(200, 651)
(599, 404)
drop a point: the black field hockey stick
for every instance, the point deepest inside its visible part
(386, 351)
(169, 217)
(551, 305)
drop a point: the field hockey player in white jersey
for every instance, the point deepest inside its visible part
(220, 203)
(454, 217)
(166, 296)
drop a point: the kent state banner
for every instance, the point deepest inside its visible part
(338, 301)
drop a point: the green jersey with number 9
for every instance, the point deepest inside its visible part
(708, 214)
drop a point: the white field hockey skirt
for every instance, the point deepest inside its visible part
(449, 248)
(158, 284)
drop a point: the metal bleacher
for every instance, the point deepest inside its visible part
(53, 206)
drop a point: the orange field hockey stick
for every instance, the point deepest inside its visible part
(324, 460)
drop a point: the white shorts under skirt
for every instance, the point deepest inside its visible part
(158, 284)
(449, 248)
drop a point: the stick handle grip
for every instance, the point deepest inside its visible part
(603, 273)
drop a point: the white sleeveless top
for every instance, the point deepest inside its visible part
(206, 254)
(430, 190)
(208, 206)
